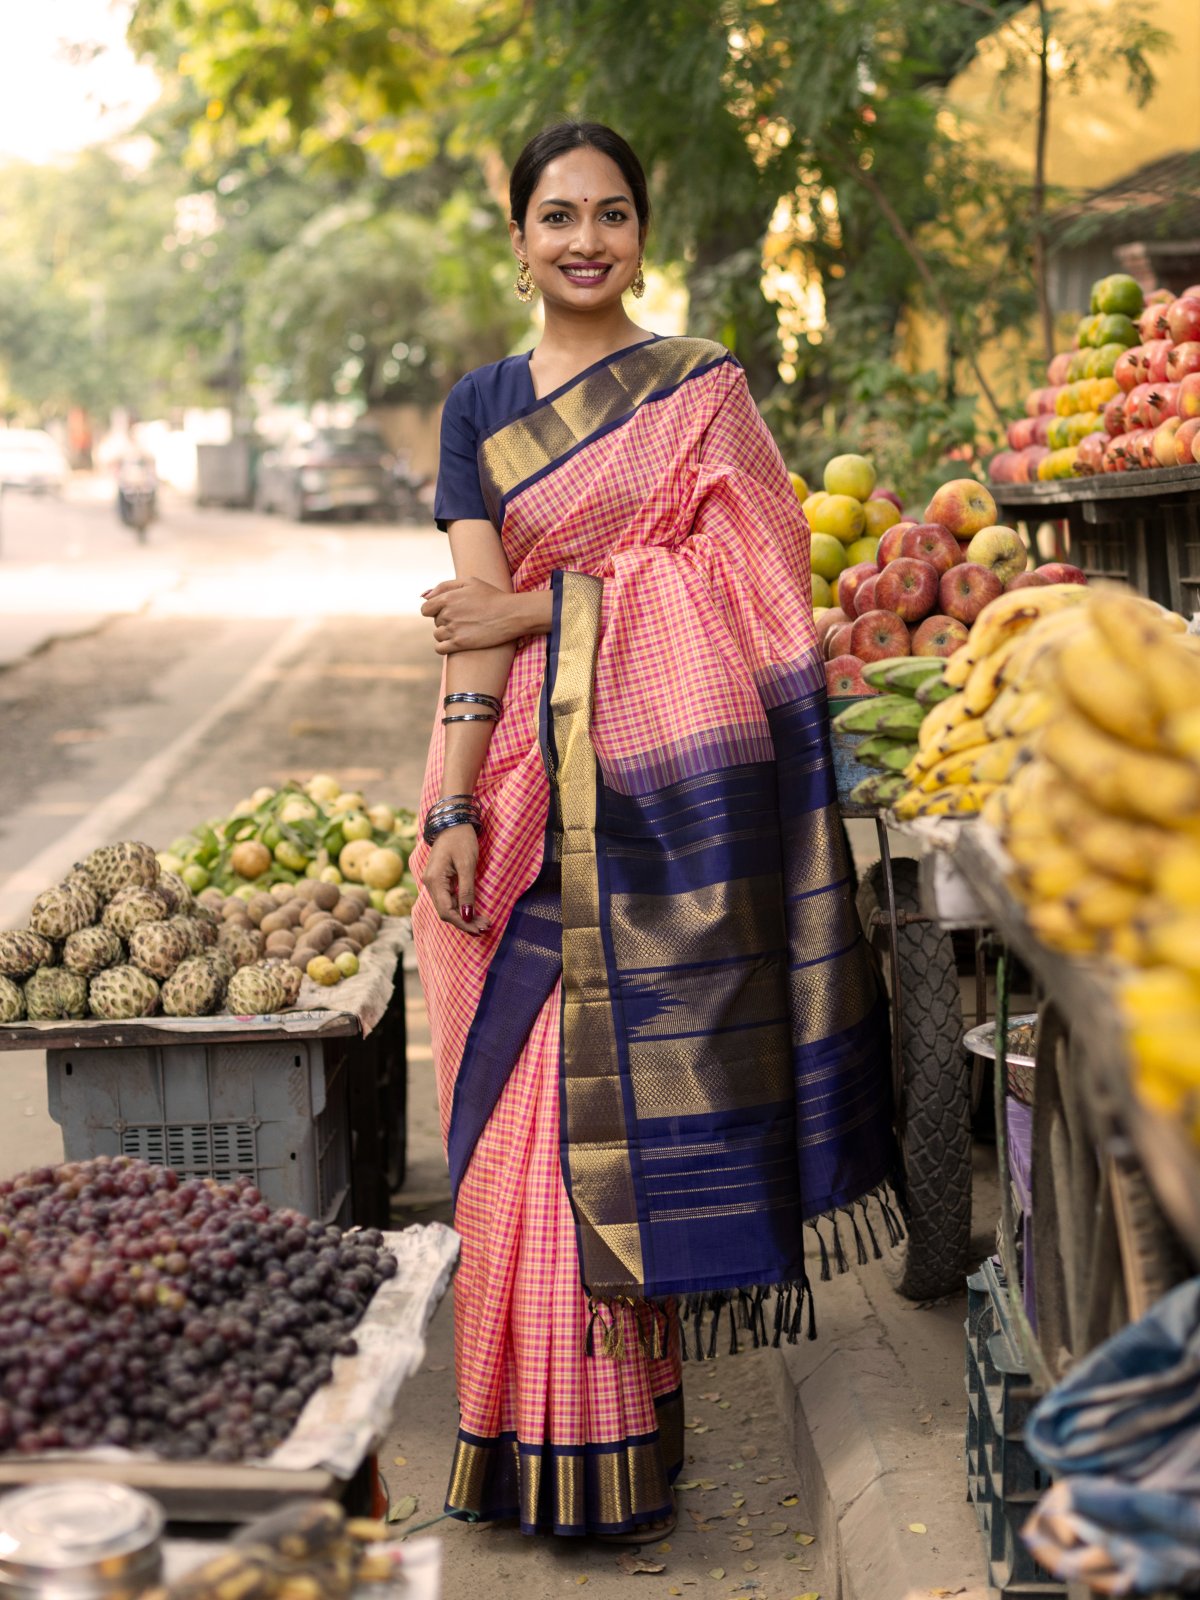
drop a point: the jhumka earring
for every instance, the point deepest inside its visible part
(639, 283)
(523, 289)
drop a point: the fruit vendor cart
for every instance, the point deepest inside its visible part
(1141, 528)
(309, 1103)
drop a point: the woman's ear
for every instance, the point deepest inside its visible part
(517, 234)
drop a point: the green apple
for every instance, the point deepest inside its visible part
(866, 548)
(828, 556)
(850, 475)
(822, 594)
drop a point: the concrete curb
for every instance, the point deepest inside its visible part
(873, 1460)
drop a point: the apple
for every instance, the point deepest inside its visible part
(1183, 319)
(852, 476)
(938, 636)
(837, 642)
(966, 589)
(1002, 468)
(964, 506)
(840, 515)
(822, 594)
(929, 541)
(908, 586)
(801, 488)
(828, 620)
(888, 494)
(1062, 572)
(1026, 580)
(864, 549)
(880, 515)
(1192, 293)
(1164, 441)
(1182, 359)
(1187, 400)
(827, 556)
(889, 545)
(1185, 442)
(1000, 548)
(843, 677)
(876, 635)
(865, 596)
(848, 583)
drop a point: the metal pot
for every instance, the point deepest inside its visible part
(79, 1540)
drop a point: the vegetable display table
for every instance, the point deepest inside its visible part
(1142, 528)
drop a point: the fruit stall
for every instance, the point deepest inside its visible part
(1053, 789)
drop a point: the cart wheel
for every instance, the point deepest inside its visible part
(933, 1101)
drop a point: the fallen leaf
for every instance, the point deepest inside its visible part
(928, 1417)
(777, 1528)
(810, 1595)
(749, 1566)
(581, 1581)
(711, 1395)
(716, 1572)
(917, 1527)
(403, 1509)
(806, 1538)
(723, 1405)
(764, 1479)
(736, 1466)
(700, 1429)
(632, 1563)
(690, 1483)
(743, 1544)
(751, 1452)
(432, 1368)
(674, 1590)
(664, 1548)
(399, 1461)
(743, 1522)
(941, 1593)
(706, 1484)
(789, 1500)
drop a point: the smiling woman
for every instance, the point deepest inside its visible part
(659, 1041)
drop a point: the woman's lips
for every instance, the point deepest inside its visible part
(586, 277)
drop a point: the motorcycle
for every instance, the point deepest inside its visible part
(137, 495)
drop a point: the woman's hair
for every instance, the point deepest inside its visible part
(555, 141)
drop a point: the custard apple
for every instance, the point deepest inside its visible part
(121, 866)
(290, 976)
(122, 993)
(12, 1001)
(194, 989)
(157, 948)
(53, 992)
(176, 891)
(90, 950)
(242, 945)
(221, 963)
(255, 990)
(22, 951)
(128, 907)
(61, 911)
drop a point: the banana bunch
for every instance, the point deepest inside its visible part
(885, 725)
(973, 743)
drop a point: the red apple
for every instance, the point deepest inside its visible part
(938, 636)
(1183, 319)
(1187, 401)
(1190, 293)
(828, 621)
(964, 506)
(1182, 359)
(889, 545)
(1002, 468)
(1026, 580)
(843, 676)
(1062, 572)
(888, 494)
(877, 635)
(929, 541)
(908, 586)
(966, 589)
(865, 597)
(1185, 442)
(1000, 548)
(837, 640)
(848, 583)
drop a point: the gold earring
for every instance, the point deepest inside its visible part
(524, 284)
(639, 283)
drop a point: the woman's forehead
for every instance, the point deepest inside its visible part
(578, 174)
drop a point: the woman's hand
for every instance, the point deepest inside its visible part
(449, 877)
(469, 614)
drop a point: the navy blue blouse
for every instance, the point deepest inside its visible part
(476, 406)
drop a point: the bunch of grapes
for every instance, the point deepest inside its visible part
(179, 1316)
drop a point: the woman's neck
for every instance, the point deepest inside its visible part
(574, 339)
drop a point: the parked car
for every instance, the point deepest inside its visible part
(347, 471)
(30, 459)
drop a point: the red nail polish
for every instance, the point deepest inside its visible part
(466, 912)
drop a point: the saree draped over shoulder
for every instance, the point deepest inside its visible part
(670, 1051)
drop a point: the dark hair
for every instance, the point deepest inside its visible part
(555, 141)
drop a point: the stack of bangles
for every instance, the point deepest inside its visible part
(490, 712)
(452, 811)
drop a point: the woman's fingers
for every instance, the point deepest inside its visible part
(450, 879)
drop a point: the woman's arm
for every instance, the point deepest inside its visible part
(477, 621)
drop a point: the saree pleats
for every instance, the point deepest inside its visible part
(669, 1056)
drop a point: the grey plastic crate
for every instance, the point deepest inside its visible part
(276, 1112)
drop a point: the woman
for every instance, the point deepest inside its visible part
(658, 1037)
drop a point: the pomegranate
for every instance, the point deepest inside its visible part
(1158, 352)
(1152, 324)
(1188, 400)
(1187, 442)
(1114, 416)
(1164, 441)
(1057, 371)
(1091, 453)
(1116, 457)
(1151, 403)
(1183, 318)
(1143, 447)
(1021, 433)
(1182, 359)
(1042, 424)
(1129, 369)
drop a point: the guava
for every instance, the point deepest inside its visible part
(357, 826)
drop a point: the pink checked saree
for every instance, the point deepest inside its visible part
(669, 1053)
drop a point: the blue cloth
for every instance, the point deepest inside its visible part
(1123, 1432)
(476, 406)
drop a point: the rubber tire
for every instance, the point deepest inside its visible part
(933, 1103)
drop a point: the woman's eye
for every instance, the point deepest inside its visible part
(555, 216)
(615, 216)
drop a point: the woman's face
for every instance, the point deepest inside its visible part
(581, 236)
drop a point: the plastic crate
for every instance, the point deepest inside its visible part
(276, 1112)
(1004, 1483)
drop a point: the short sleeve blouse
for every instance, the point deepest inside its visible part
(476, 406)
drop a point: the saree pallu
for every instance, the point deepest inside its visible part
(669, 1053)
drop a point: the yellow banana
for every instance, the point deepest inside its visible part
(1168, 1058)
(1181, 733)
(1018, 711)
(1144, 642)
(1148, 998)
(961, 800)
(921, 763)
(987, 678)
(996, 762)
(1093, 678)
(1008, 614)
(1177, 873)
(965, 736)
(1053, 874)
(1127, 943)
(908, 806)
(939, 720)
(1055, 926)
(1129, 782)
(1177, 940)
(951, 770)
(996, 809)
(1040, 639)
(1118, 846)
(1103, 903)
